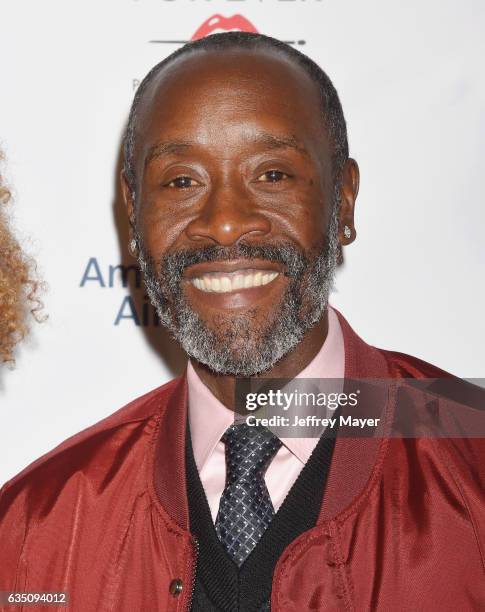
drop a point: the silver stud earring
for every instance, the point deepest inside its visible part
(133, 247)
(347, 231)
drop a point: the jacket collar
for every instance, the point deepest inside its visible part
(352, 465)
(169, 462)
(355, 459)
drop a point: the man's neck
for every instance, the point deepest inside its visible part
(223, 387)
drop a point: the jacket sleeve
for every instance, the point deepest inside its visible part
(465, 459)
(14, 531)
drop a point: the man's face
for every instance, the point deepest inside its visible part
(233, 209)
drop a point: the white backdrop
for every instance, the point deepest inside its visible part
(410, 75)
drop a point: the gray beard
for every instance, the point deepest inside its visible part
(235, 345)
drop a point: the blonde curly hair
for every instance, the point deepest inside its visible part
(19, 286)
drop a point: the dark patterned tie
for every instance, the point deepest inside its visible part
(245, 509)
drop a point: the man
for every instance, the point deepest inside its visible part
(240, 193)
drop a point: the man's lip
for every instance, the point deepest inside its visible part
(235, 265)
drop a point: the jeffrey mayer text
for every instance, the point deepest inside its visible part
(310, 421)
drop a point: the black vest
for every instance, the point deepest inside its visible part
(222, 586)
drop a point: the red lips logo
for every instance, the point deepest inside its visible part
(219, 22)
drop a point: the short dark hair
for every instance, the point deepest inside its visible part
(332, 109)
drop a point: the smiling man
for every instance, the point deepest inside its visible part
(240, 194)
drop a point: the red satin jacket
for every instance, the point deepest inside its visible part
(104, 516)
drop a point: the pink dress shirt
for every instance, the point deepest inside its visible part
(209, 419)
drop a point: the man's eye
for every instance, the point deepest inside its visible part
(182, 182)
(273, 176)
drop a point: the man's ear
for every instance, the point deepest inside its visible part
(128, 198)
(348, 194)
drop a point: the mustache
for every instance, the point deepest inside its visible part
(173, 265)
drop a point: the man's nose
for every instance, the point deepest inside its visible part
(226, 218)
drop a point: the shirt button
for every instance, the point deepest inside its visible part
(176, 587)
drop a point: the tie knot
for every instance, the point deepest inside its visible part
(249, 450)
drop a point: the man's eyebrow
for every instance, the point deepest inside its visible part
(165, 148)
(271, 141)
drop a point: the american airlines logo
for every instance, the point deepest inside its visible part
(135, 307)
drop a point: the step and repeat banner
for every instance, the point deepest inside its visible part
(410, 76)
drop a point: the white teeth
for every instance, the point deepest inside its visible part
(226, 284)
(238, 282)
(231, 282)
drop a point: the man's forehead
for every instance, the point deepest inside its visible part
(215, 99)
(237, 69)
